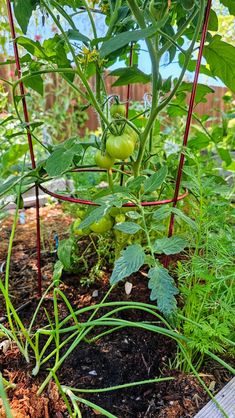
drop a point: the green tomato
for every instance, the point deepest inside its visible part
(81, 213)
(120, 218)
(78, 232)
(104, 161)
(130, 131)
(188, 4)
(117, 111)
(158, 8)
(121, 211)
(121, 146)
(103, 225)
(75, 228)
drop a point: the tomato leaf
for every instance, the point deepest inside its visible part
(65, 252)
(128, 227)
(35, 83)
(163, 290)
(169, 245)
(132, 258)
(225, 155)
(155, 181)
(57, 272)
(95, 216)
(124, 39)
(77, 36)
(230, 4)
(23, 10)
(221, 58)
(129, 75)
(213, 21)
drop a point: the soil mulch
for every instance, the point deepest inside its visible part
(125, 356)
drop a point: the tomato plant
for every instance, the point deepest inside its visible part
(139, 139)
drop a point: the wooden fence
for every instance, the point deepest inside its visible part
(212, 107)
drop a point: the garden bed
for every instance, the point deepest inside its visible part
(128, 355)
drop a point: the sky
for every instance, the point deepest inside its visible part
(37, 30)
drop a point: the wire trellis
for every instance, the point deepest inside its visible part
(172, 200)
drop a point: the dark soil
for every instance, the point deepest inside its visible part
(128, 355)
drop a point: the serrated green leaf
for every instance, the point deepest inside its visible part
(161, 213)
(155, 181)
(169, 245)
(128, 227)
(221, 58)
(202, 91)
(58, 162)
(163, 290)
(132, 258)
(95, 216)
(65, 253)
(136, 183)
(184, 217)
(133, 215)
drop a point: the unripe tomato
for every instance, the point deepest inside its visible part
(78, 232)
(81, 213)
(188, 4)
(75, 227)
(104, 161)
(120, 218)
(158, 8)
(130, 131)
(117, 111)
(103, 225)
(121, 211)
(121, 146)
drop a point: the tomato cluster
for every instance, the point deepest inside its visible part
(120, 145)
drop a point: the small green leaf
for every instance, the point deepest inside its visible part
(128, 227)
(124, 39)
(95, 216)
(155, 181)
(77, 36)
(129, 75)
(199, 141)
(132, 258)
(57, 272)
(135, 184)
(213, 21)
(65, 253)
(35, 83)
(184, 217)
(169, 245)
(225, 155)
(161, 213)
(163, 290)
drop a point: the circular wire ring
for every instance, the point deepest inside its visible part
(92, 203)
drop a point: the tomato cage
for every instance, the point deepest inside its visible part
(176, 196)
